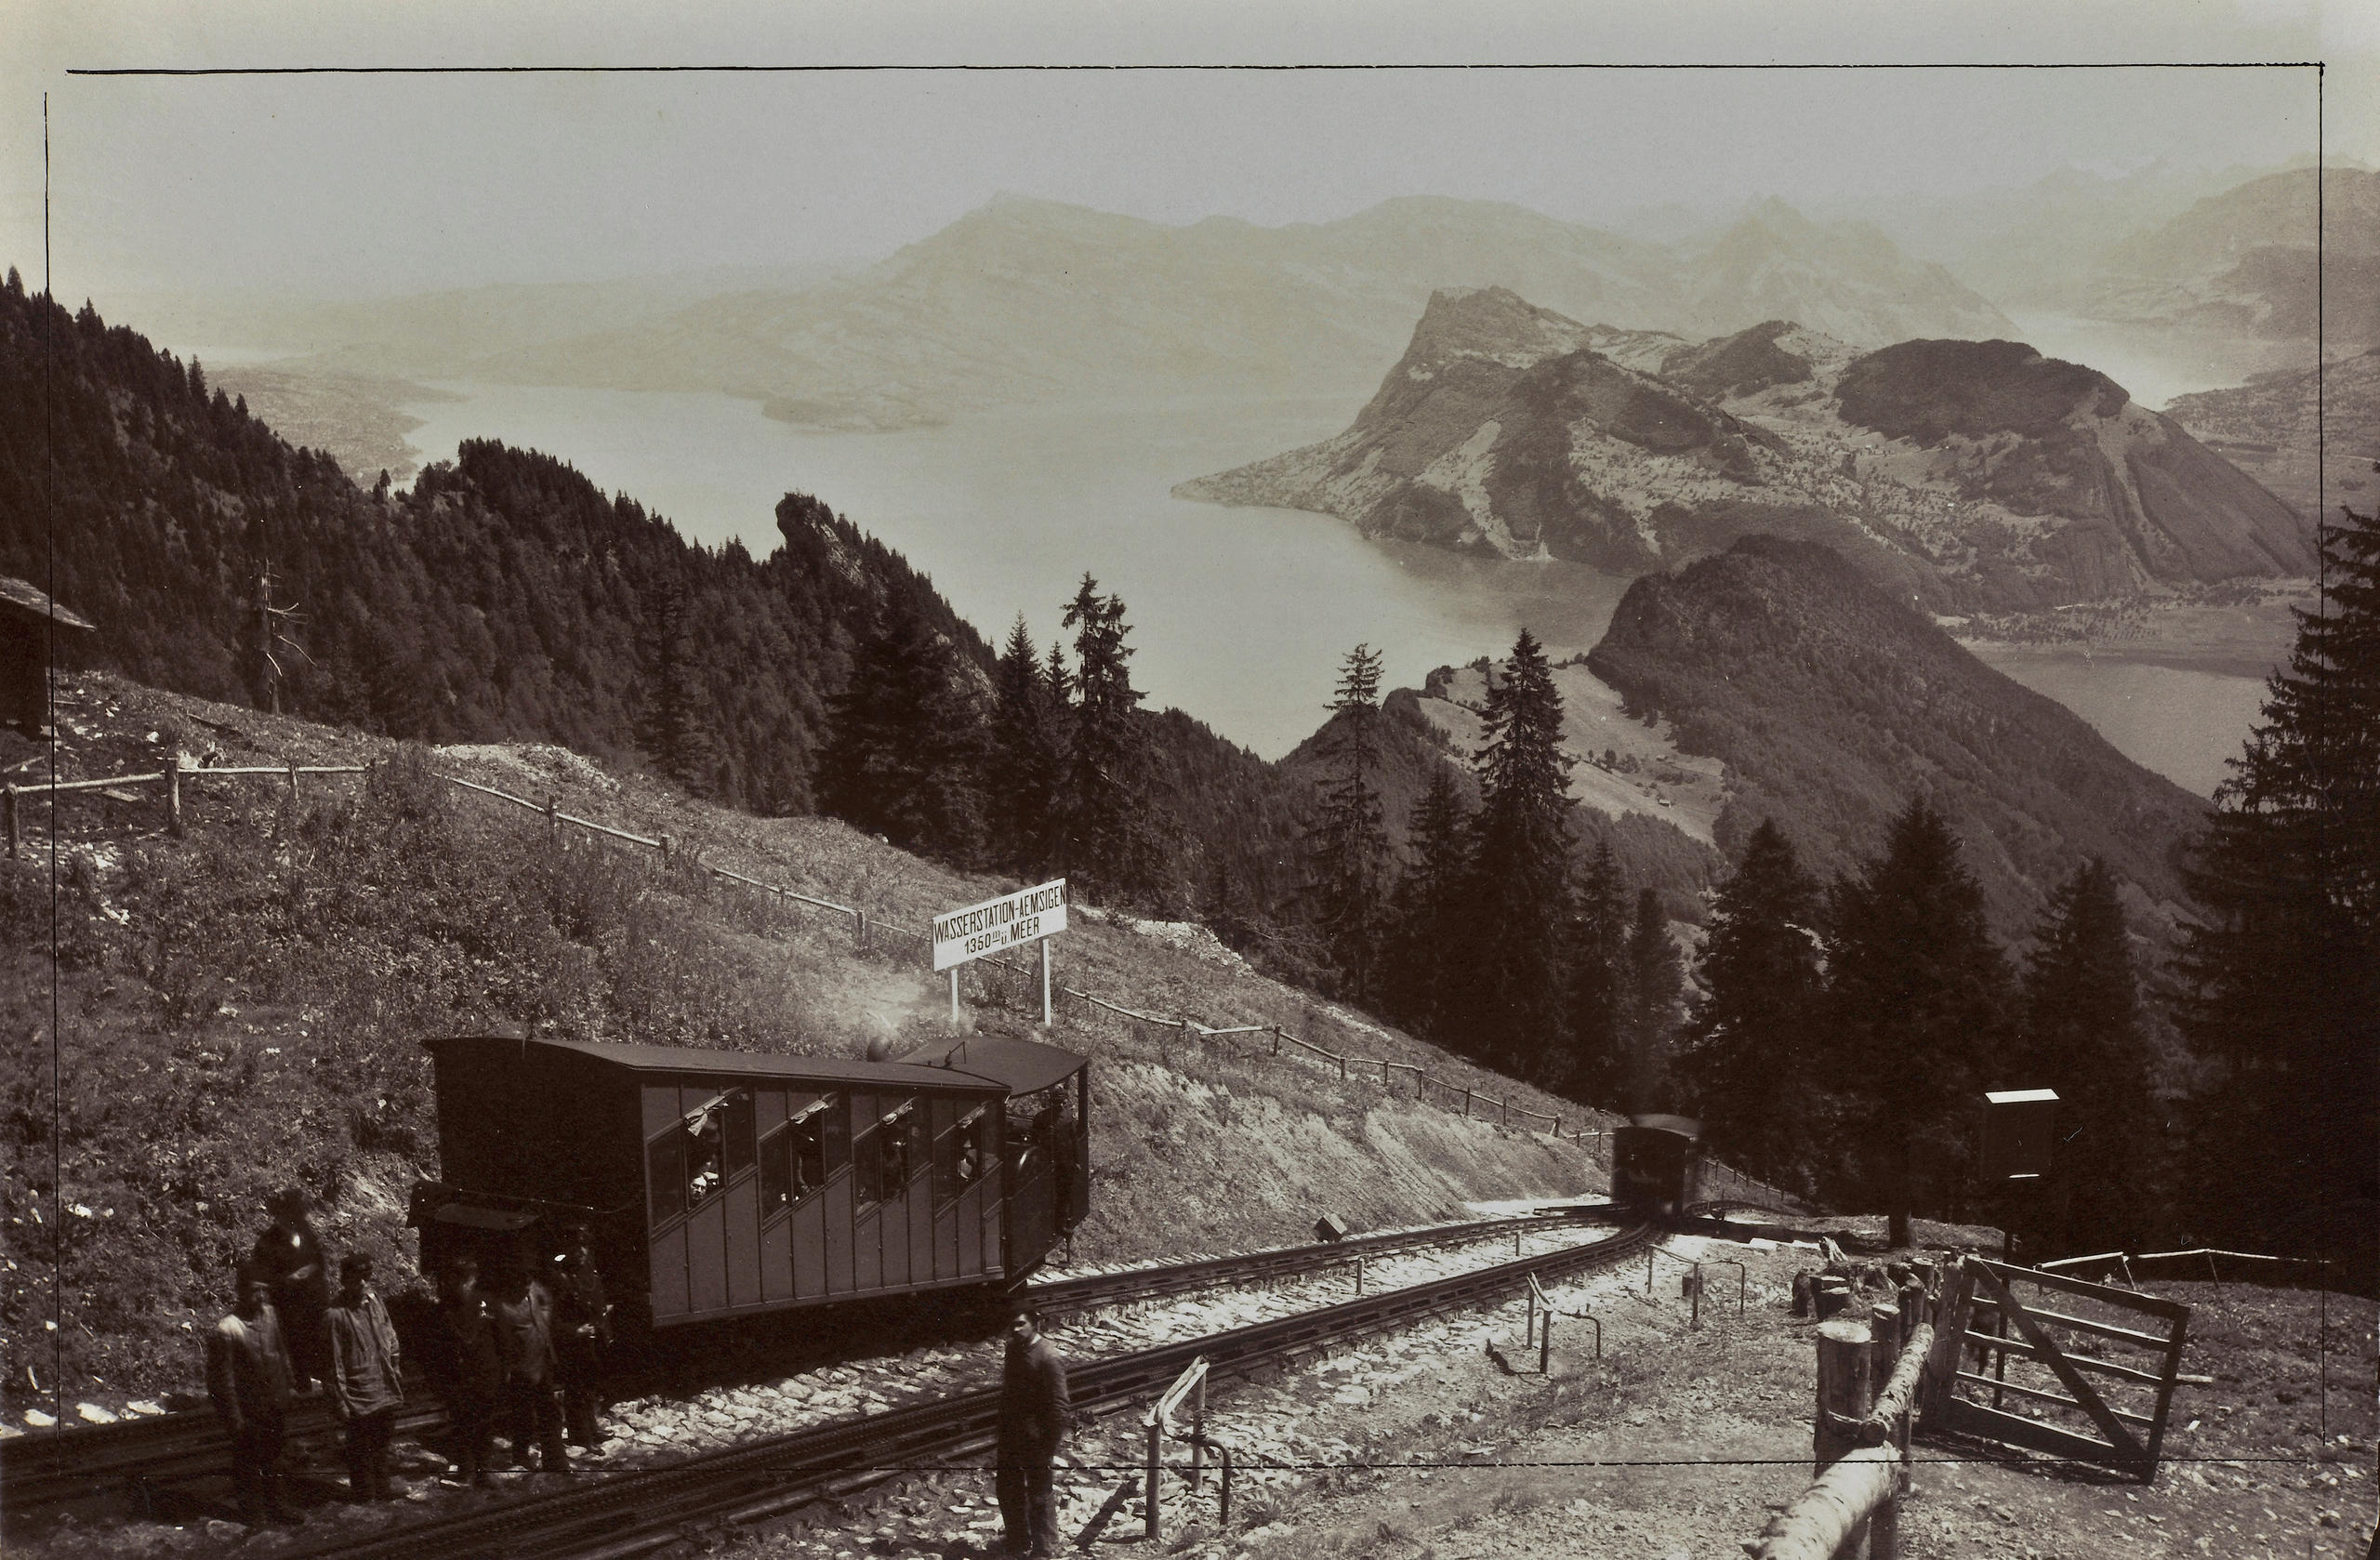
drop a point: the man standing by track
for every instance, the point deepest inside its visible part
(1033, 1422)
(466, 1368)
(247, 1377)
(367, 1386)
(289, 1255)
(582, 1332)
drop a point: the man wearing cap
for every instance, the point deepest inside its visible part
(467, 1367)
(247, 1379)
(289, 1255)
(366, 1388)
(582, 1332)
(1033, 1422)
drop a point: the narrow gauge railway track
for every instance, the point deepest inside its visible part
(629, 1514)
(66, 1467)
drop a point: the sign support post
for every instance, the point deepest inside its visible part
(954, 997)
(1046, 1019)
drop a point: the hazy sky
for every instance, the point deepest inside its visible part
(361, 184)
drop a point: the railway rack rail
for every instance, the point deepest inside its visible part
(135, 1458)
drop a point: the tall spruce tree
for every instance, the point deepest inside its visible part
(1110, 839)
(1028, 756)
(1598, 1071)
(1919, 999)
(674, 723)
(905, 754)
(1347, 845)
(1652, 982)
(1420, 980)
(1517, 930)
(2282, 971)
(1747, 1065)
(2083, 1037)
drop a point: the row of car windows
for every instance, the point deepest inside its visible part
(897, 1139)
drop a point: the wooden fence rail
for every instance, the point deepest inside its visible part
(863, 927)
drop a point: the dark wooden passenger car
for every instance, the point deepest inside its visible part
(725, 1184)
(1657, 1165)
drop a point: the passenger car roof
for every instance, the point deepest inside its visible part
(1022, 1066)
(741, 1063)
(978, 1061)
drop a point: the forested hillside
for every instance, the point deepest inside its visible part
(505, 596)
(1832, 703)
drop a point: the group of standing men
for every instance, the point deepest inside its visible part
(525, 1350)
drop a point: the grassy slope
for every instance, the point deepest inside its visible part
(243, 1006)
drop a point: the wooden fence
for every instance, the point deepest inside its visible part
(1470, 1101)
(1872, 1375)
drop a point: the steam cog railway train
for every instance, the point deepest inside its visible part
(717, 1184)
(1657, 1165)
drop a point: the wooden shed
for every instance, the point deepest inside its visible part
(28, 648)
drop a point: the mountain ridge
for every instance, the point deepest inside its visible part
(1972, 474)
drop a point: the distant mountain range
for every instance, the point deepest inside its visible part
(2243, 261)
(1969, 475)
(1025, 300)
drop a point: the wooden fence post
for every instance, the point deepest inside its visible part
(293, 781)
(1152, 1520)
(1847, 1391)
(16, 830)
(173, 795)
(553, 821)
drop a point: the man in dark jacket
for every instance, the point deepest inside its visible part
(289, 1255)
(582, 1332)
(248, 1378)
(524, 1336)
(367, 1376)
(466, 1368)
(1033, 1422)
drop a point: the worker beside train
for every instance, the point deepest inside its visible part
(465, 1367)
(582, 1334)
(1033, 1423)
(248, 1379)
(288, 1255)
(366, 1383)
(524, 1337)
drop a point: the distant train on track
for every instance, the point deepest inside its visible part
(1657, 1165)
(718, 1184)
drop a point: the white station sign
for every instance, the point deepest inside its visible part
(1000, 924)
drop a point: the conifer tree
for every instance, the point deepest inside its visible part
(1028, 766)
(907, 747)
(1652, 982)
(2282, 971)
(674, 726)
(1348, 844)
(1518, 924)
(1419, 981)
(1747, 1065)
(1919, 999)
(1598, 1075)
(2084, 1039)
(1109, 842)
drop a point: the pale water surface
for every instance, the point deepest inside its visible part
(2182, 722)
(1240, 617)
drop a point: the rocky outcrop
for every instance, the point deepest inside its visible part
(1970, 474)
